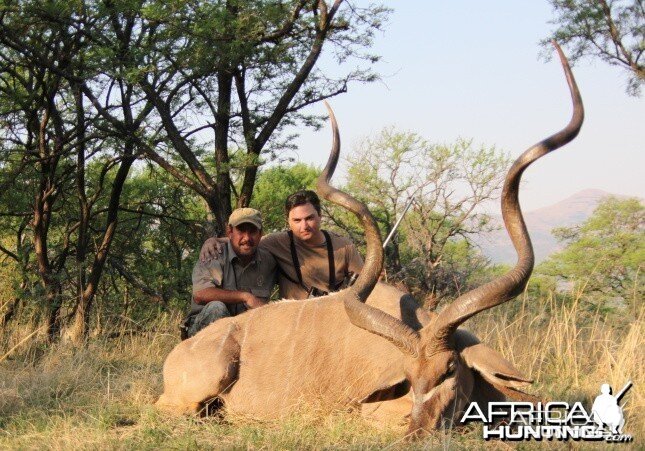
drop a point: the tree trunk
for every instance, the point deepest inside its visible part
(13, 306)
(84, 220)
(82, 315)
(42, 209)
(222, 121)
(54, 300)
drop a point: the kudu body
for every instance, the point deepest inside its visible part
(340, 349)
(277, 358)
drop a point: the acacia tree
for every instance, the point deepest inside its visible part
(612, 30)
(449, 184)
(48, 54)
(241, 72)
(38, 134)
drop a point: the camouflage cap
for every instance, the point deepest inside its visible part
(242, 215)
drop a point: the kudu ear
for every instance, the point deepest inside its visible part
(493, 367)
(489, 363)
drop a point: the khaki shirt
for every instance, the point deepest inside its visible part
(227, 272)
(314, 263)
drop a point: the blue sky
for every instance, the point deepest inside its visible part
(472, 69)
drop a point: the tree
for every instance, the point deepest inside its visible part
(604, 256)
(449, 183)
(613, 31)
(39, 135)
(228, 77)
(51, 75)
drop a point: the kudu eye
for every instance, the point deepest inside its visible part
(450, 371)
(452, 367)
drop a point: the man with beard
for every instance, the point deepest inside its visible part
(240, 279)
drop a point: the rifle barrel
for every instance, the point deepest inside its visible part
(621, 393)
(396, 226)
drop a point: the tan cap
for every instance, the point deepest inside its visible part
(242, 215)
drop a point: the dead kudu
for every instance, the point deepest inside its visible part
(366, 344)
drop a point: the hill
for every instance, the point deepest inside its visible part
(566, 213)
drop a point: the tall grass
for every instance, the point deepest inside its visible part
(100, 395)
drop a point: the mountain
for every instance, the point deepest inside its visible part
(566, 213)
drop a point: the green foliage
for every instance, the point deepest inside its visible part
(604, 256)
(461, 268)
(274, 185)
(612, 31)
(161, 226)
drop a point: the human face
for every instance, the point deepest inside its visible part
(244, 239)
(304, 222)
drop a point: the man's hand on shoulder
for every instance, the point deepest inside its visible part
(212, 249)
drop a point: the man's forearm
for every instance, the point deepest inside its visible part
(219, 294)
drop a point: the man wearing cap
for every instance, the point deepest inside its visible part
(241, 279)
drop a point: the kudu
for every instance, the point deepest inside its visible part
(340, 349)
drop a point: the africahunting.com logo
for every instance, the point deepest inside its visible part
(556, 420)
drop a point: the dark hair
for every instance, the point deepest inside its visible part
(301, 198)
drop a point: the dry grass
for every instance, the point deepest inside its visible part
(100, 395)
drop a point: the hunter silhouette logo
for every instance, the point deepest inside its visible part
(554, 420)
(606, 410)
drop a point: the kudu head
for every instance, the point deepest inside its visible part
(439, 362)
